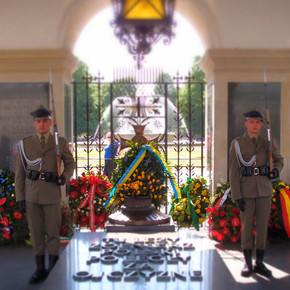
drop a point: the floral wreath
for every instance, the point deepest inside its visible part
(88, 194)
(195, 199)
(147, 179)
(11, 217)
(224, 215)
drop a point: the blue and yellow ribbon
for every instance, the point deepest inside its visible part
(135, 164)
(167, 170)
(126, 175)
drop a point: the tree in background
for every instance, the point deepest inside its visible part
(159, 89)
(85, 100)
(194, 94)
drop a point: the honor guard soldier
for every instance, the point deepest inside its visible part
(38, 192)
(251, 188)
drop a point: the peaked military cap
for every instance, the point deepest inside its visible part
(41, 112)
(253, 114)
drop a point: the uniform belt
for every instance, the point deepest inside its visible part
(249, 170)
(46, 176)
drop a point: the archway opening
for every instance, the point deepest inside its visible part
(99, 48)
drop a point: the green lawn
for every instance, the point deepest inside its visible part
(184, 157)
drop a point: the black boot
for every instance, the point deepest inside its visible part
(52, 262)
(40, 273)
(260, 268)
(248, 268)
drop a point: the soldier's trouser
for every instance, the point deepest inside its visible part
(44, 221)
(256, 214)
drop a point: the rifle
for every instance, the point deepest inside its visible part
(268, 124)
(55, 131)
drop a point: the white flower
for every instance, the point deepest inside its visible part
(94, 201)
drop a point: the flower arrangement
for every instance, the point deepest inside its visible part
(224, 222)
(146, 180)
(12, 223)
(195, 191)
(87, 195)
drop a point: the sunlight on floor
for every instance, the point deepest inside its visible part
(234, 261)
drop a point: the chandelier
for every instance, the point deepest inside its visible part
(140, 24)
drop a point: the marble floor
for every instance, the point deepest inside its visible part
(220, 264)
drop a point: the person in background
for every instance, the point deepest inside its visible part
(112, 149)
(251, 188)
(38, 192)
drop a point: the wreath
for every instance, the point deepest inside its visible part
(195, 197)
(88, 194)
(224, 215)
(13, 227)
(146, 180)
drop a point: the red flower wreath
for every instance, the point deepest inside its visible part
(87, 196)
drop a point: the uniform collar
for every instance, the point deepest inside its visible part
(45, 136)
(257, 137)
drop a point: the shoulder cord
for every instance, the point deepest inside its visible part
(240, 158)
(29, 162)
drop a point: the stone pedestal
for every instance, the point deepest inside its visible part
(140, 215)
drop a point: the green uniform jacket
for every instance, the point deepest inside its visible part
(39, 191)
(256, 185)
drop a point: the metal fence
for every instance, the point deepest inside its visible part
(168, 111)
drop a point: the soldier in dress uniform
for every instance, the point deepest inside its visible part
(251, 188)
(38, 191)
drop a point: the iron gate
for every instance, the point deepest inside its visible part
(166, 110)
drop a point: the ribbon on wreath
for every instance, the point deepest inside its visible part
(175, 188)
(126, 176)
(89, 199)
(135, 164)
(285, 204)
(191, 206)
(219, 203)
